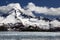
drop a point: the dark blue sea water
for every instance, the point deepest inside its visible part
(29, 35)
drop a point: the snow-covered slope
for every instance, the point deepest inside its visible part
(12, 13)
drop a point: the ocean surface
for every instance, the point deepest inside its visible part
(29, 35)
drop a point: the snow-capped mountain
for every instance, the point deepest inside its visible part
(16, 14)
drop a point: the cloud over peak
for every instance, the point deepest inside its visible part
(8, 7)
(30, 8)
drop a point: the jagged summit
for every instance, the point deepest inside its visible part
(14, 12)
(15, 6)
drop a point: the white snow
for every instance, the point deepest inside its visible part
(55, 23)
(9, 19)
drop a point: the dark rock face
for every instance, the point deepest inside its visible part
(46, 19)
(58, 19)
(21, 27)
(2, 28)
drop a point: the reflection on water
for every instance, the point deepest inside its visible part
(27, 36)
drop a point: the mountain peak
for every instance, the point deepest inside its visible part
(15, 5)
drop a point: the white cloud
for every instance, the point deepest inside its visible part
(8, 7)
(1, 19)
(4, 9)
(55, 23)
(45, 10)
(30, 7)
(29, 13)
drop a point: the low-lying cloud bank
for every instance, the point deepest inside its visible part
(45, 10)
